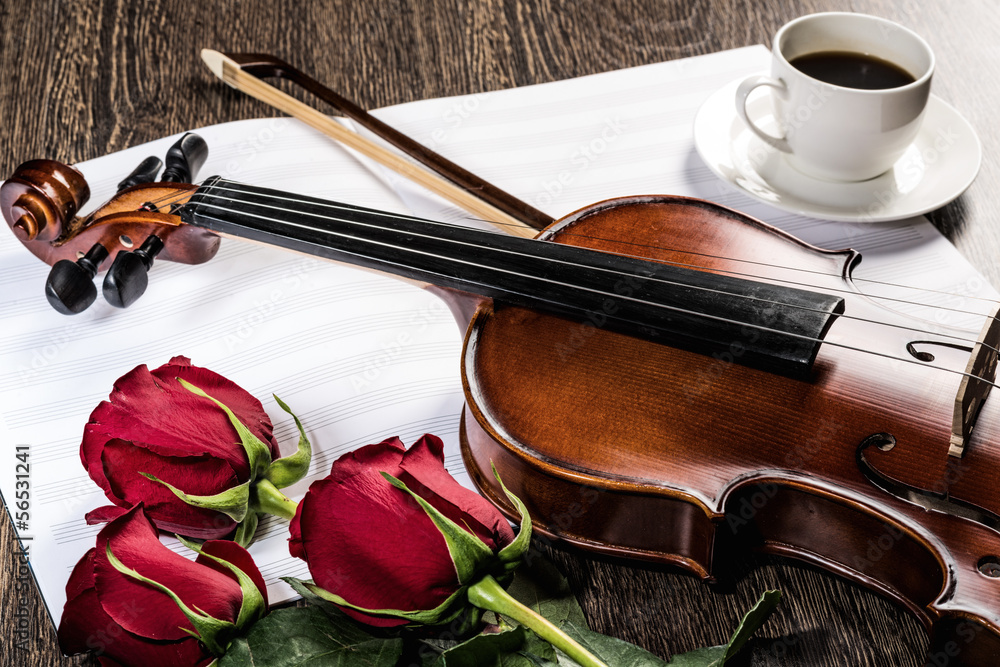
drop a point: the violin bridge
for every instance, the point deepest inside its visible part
(979, 377)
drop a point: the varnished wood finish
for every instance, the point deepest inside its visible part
(84, 79)
(50, 194)
(662, 451)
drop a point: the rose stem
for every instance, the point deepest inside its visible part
(490, 595)
(273, 501)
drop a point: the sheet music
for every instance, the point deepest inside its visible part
(360, 357)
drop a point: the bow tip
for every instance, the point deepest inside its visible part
(215, 61)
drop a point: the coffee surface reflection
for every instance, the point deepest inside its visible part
(852, 70)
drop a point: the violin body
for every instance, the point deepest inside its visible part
(635, 449)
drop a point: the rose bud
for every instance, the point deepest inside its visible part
(134, 601)
(392, 539)
(194, 448)
(390, 552)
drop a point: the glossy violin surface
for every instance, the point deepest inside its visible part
(657, 377)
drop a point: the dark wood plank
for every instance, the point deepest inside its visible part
(84, 79)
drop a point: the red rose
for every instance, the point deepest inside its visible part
(127, 621)
(374, 547)
(159, 442)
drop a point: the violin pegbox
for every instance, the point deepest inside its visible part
(41, 201)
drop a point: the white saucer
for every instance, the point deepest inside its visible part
(937, 167)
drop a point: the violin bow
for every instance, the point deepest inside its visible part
(245, 72)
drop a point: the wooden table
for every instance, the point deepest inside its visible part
(84, 79)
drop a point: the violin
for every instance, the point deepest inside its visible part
(660, 378)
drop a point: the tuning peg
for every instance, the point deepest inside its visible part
(184, 159)
(145, 173)
(128, 276)
(70, 286)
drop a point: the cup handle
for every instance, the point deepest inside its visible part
(743, 92)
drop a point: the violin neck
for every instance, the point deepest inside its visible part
(776, 328)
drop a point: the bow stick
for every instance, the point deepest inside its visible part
(243, 72)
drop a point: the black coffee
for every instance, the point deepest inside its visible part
(852, 70)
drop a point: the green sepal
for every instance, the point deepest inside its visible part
(253, 606)
(468, 552)
(258, 454)
(440, 614)
(289, 469)
(246, 530)
(511, 554)
(214, 633)
(232, 502)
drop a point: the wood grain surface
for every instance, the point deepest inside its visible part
(83, 79)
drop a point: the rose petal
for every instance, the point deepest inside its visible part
(86, 627)
(227, 392)
(238, 556)
(371, 544)
(105, 514)
(164, 418)
(152, 410)
(422, 469)
(384, 456)
(82, 576)
(141, 608)
(195, 475)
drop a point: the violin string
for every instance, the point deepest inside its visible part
(873, 281)
(797, 270)
(174, 197)
(336, 206)
(181, 196)
(404, 249)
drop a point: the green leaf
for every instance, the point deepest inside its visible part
(716, 656)
(215, 634)
(622, 654)
(541, 653)
(610, 650)
(752, 621)
(487, 650)
(512, 646)
(238, 653)
(539, 585)
(468, 552)
(231, 502)
(258, 454)
(710, 656)
(511, 554)
(304, 637)
(253, 606)
(290, 469)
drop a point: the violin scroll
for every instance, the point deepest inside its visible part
(40, 198)
(41, 202)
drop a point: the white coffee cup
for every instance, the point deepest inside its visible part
(834, 132)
